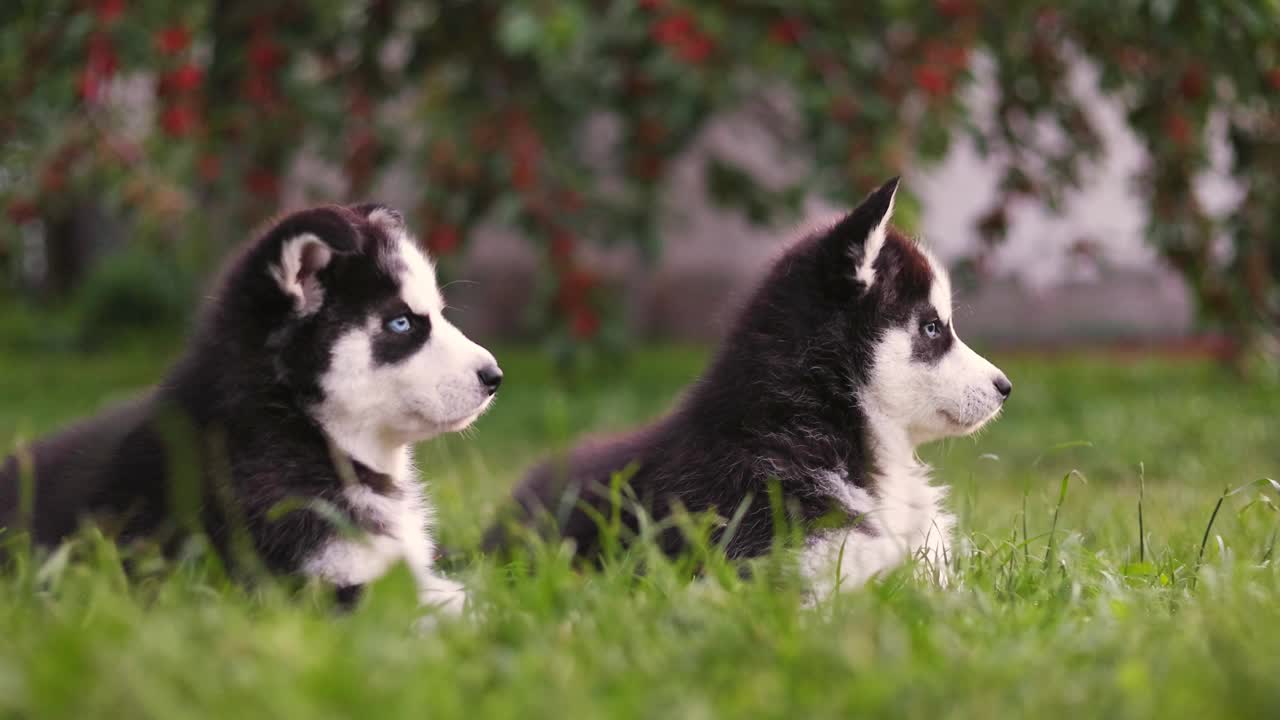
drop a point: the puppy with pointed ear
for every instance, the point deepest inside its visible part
(321, 357)
(874, 212)
(840, 363)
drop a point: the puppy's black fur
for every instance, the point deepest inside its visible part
(777, 402)
(224, 442)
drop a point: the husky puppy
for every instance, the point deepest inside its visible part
(286, 429)
(843, 361)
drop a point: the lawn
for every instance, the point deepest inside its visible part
(1090, 620)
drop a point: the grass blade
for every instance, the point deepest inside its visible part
(1204, 541)
(1026, 546)
(1142, 530)
(1057, 510)
(1061, 446)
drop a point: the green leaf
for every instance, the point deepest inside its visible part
(1140, 569)
(518, 30)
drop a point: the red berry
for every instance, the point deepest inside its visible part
(786, 31)
(575, 283)
(54, 180)
(932, 80)
(102, 56)
(1192, 83)
(178, 120)
(580, 281)
(954, 57)
(186, 78)
(1178, 129)
(264, 55)
(695, 49)
(21, 211)
(259, 89)
(585, 323)
(673, 28)
(561, 247)
(565, 298)
(1273, 77)
(263, 183)
(109, 10)
(88, 85)
(523, 174)
(956, 9)
(646, 166)
(525, 153)
(173, 40)
(99, 66)
(444, 239)
(679, 32)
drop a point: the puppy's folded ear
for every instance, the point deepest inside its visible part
(389, 220)
(299, 246)
(384, 216)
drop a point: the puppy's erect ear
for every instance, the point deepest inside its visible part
(303, 244)
(855, 242)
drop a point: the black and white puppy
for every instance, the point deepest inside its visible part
(843, 361)
(318, 362)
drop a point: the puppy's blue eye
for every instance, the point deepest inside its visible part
(400, 324)
(932, 330)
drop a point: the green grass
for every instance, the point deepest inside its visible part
(1087, 630)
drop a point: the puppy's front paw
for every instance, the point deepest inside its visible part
(445, 595)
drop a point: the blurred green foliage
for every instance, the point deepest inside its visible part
(133, 290)
(165, 111)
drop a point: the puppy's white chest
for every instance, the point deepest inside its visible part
(396, 524)
(910, 508)
(902, 517)
(390, 514)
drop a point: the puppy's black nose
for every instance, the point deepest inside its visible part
(1003, 386)
(490, 377)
